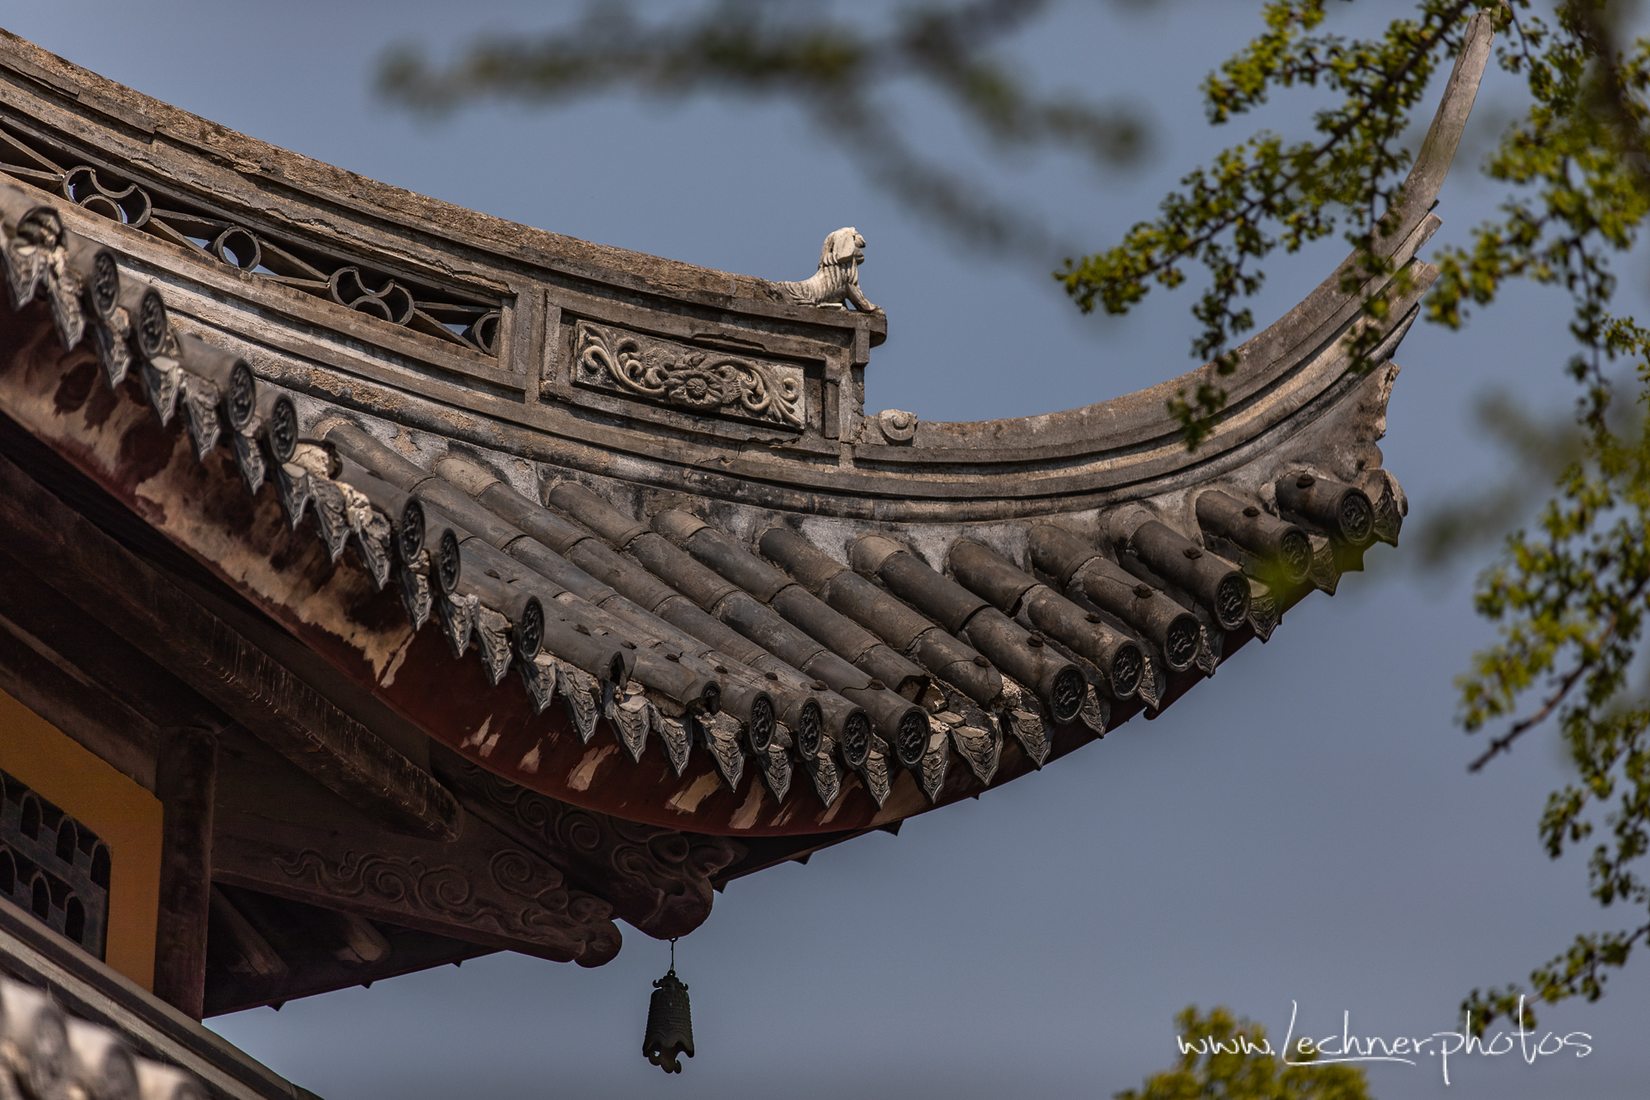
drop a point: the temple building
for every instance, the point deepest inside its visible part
(385, 584)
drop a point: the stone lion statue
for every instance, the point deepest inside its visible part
(837, 280)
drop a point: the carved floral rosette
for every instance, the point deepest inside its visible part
(685, 377)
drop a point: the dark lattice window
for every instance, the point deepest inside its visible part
(53, 866)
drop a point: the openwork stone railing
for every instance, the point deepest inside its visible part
(153, 207)
(577, 358)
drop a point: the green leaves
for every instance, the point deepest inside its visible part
(1266, 194)
(1569, 596)
(1225, 1057)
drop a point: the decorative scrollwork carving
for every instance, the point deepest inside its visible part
(826, 775)
(200, 407)
(657, 879)
(628, 715)
(1209, 648)
(721, 737)
(1095, 712)
(448, 893)
(678, 744)
(1263, 610)
(1153, 684)
(493, 640)
(1020, 717)
(676, 374)
(583, 696)
(36, 259)
(874, 772)
(979, 744)
(898, 426)
(932, 767)
(776, 771)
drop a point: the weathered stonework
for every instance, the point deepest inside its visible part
(706, 382)
(836, 282)
(166, 212)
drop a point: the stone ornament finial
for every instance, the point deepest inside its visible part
(898, 426)
(837, 280)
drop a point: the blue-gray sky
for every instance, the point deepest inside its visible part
(1302, 828)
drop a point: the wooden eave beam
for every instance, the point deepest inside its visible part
(657, 880)
(252, 954)
(115, 588)
(268, 950)
(314, 967)
(80, 706)
(480, 888)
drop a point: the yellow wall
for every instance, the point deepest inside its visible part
(123, 814)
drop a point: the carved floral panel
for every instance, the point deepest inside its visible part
(697, 380)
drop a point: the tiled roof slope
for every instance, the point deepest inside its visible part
(763, 650)
(70, 1027)
(654, 605)
(45, 1052)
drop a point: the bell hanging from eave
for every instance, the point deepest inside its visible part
(669, 1021)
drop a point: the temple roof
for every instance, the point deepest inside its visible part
(900, 657)
(616, 530)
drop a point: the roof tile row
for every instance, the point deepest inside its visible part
(775, 653)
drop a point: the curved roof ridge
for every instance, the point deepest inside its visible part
(372, 199)
(384, 303)
(1409, 229)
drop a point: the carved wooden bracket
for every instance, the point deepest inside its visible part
(480, 888)
(657, 879)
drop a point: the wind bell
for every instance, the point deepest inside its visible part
(669, 1021)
